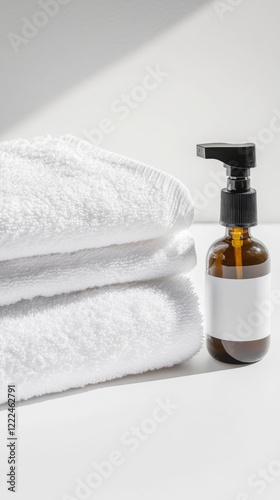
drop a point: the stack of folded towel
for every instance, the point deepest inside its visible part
(94, 251)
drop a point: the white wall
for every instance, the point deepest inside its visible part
(220, 82)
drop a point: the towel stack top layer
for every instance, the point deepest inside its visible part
(63, 195)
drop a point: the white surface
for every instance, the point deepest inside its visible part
(219, 81)
(225, 427)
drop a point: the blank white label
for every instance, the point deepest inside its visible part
(238, 309)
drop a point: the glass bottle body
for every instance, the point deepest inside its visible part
(237, 256)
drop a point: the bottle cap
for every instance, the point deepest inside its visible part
(238, 199)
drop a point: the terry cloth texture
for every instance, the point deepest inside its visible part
(94, 249)
(52, 344)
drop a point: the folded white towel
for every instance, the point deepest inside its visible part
(74, 217)
(64, 195)
(51, 344)
(48, 275)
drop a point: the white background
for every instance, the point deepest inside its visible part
(222, 83)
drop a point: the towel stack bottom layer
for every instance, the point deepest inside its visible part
(53, 344)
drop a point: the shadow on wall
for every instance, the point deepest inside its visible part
(49, 45)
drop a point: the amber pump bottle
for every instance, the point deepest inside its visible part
(237, 289)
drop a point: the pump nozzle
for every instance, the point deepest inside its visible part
(232, 155)
(238, 201)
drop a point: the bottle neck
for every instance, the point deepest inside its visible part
(242, 233)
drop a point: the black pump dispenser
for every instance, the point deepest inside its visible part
(238, 200)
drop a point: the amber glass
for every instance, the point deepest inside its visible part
(250, 260)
